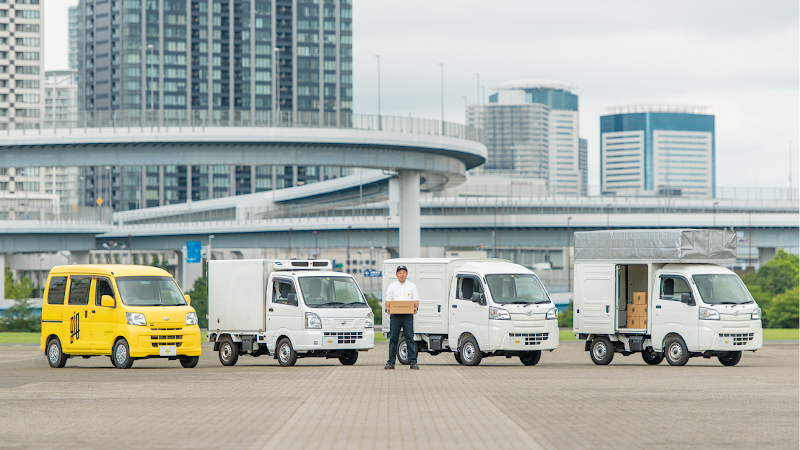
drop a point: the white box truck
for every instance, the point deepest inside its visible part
(476, 308)
(288, 309)
(663, 293)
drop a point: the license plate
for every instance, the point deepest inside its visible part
(168, 350)
(726, 341)
(330, 341)
(517, 341)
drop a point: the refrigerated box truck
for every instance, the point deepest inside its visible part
(288, 309)
(664, 293)
(476, 308)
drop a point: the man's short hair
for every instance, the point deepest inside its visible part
(399, 268)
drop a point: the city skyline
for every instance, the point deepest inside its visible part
(741, 63)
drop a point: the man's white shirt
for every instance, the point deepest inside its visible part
(404, 291)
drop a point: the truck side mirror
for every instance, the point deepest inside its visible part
(291, 298)
(687, 298)
(477, 297)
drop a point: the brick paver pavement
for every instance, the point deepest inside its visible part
(564, 402)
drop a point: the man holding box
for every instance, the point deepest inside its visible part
(401, 290)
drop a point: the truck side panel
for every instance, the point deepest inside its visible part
(595, 294)
(431, 284)
(236, 295)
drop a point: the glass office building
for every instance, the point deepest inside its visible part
(658, 150)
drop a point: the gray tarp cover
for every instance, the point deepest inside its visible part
(677, 246)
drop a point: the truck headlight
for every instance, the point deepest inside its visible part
(135, 319)
(499, 313)
(370, 320)
(708, 314)
(552, 313)
(756, 314)
(313, 320)
(191, 318)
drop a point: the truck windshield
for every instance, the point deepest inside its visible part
(149, 291)
(331, 292)
(724, 289)
(522, 289)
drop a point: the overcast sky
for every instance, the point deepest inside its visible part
(740, 58)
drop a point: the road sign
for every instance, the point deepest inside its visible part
(373, 273)
(193, 252)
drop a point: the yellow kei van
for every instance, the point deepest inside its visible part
(125, 312)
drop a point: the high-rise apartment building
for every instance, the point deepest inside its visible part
(531, 129)
(21, 63)
(74, 37)
(658, 150)
(61, 98)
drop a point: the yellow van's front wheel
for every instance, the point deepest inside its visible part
(122, 355)
(189, 362)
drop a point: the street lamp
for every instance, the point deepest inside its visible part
(210, 238)
(715, 214)
(150, 46)
(109, 248)
(608, 216)
(316, 245)
(289, 248)
(569, 270)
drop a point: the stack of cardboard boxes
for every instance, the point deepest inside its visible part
(637, 311)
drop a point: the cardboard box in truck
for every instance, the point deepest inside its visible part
(637, 310)
(640, 298)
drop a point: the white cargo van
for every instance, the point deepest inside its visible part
(663, 293)
(286, 308)
(477, 308)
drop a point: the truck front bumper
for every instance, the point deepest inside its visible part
(146, 342)
(714, 335)
(544, 337)
(363, 339)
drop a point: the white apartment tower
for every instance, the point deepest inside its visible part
(21, 63)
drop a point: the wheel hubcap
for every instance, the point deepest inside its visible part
(53, 353)
(600, 350)
(675, 352)
(403, 351)
(469, 351)
(226, 352)
(285, 351)
(121, 354)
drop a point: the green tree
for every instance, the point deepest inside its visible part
(154, 260)
(565, 318)
(771, 287)
(373, 303)
(199, 296)
(783, 311)
(20, 316)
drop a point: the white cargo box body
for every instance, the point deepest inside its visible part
(236, 294)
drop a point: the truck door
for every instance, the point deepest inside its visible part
(670, 315)
(595, 298)
(104, 320)
(76, 335)
(467, 315)
(284, 312)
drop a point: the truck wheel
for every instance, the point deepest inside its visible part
(731, 359)
(470, 352)
(55, 357)
(348, 358)
(190, 363)
(402, 352)
(286, 354)
(122, 355)
(676, 351)
(531, 358)
(651, 357)
(458, 357)
(601, 351)
(228, 352)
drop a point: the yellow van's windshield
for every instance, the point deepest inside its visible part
(149, 291)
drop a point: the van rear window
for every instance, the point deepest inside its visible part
(58, 287)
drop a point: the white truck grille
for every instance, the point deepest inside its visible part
(345, 337)
(738, 338)
(530, 338)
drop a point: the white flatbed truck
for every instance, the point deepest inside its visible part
(475, 308)
(288, 309)
(692, 306)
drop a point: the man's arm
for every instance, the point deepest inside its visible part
(415, 297)
(387, 299)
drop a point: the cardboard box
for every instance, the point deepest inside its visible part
(401, 307)
(637, 310)
(637, 322)
(640, 298)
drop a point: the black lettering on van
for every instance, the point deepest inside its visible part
(75, 327)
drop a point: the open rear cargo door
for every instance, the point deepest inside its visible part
(595, 292)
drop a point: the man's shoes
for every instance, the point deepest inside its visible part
(388, 366)
(414, 366)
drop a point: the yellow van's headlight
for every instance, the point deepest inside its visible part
(191, 318)
(135, 319)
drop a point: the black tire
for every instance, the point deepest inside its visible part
(285, 353)
(731, 359)
(651, 357)
(348, 358)
(228, 352)
(190, 362)
(458, 357)
(402, 352)
(55, 356)
(531, 358)
(601, 351)
(122, 355)
(470, 351)
(676, 352)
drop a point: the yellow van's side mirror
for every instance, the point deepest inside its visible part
(188, 300)
(107, 301)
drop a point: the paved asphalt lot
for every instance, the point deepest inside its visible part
(564, 402)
